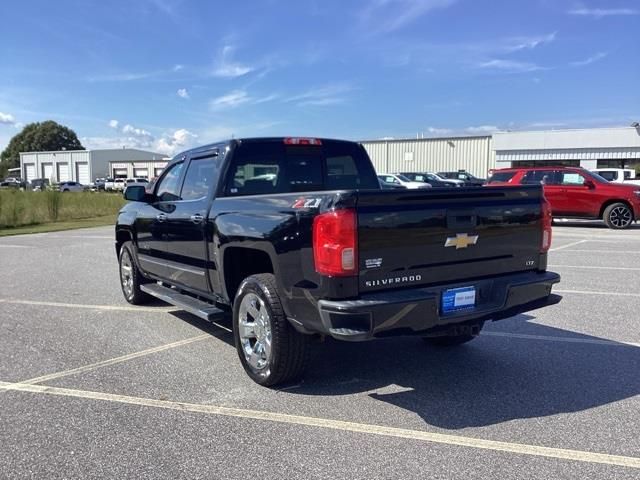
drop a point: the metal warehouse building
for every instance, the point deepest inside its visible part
(84, 166)
(473, 154)
(589, 148)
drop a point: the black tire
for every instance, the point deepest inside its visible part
(618, 216)
(288, 348)
(131, 290)
(452, 340)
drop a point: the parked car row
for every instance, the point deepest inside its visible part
(415, 180)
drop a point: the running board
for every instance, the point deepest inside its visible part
(200, 309)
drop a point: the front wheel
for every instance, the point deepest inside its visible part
(130, 277)
(618, 216)
(270, 349)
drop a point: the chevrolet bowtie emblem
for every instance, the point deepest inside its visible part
(461, 240)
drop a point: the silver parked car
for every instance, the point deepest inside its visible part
(71, 187)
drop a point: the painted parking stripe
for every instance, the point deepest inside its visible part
(568, 245)
(549, 338)
(9, 245)
(592, 267)
(626, 252)
(594, 292)
(423, 436)
(113, 361)
(123, 308)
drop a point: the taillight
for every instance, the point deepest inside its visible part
(335, 243)
(546, 223)
(302, 141)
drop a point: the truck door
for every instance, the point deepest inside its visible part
(188, 232)
(151, 223)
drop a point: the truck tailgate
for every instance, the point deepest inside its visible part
(412, 238)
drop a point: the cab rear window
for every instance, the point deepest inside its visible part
(273, 167)
(501, 176)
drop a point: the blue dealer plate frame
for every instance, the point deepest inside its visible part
(459, 299)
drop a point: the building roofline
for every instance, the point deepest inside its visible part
(101, 150)
(428, 139)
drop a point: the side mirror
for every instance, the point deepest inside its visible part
(135, 193)
(590, 184)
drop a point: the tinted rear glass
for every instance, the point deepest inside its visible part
(502, 176)
(608, 175)
(273, 167)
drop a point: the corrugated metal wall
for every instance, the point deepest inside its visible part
(473, 154)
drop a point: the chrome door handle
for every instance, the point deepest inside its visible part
(161, 217)
(196, 218)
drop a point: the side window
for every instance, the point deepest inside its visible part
(608, 175)
(537, 177)
(572, 179)
(168, 187)
(627, 175)
(199, 178)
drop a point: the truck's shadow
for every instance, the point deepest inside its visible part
(488, 381)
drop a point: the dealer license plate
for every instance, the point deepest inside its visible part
(456, 299)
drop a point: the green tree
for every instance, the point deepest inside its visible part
(38, 137)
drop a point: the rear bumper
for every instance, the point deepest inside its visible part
(418, 311)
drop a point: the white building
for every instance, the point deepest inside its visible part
(588, 148)
(473, 154)
(84, 166)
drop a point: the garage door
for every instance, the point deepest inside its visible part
(63, 172)
(30, 171)
(157, 171)
(82, 173)
(120, 173)
(47, 171)
(141, 173)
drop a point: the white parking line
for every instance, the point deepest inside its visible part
(113, 361)
(593, 267)
(419, 435)
(9, 245)
(626, 252)
(550, 338)
(572, 244)
(592, 292)
(123, 308)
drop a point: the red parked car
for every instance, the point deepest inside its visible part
(577, 193)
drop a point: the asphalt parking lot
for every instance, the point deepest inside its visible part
(91, 386)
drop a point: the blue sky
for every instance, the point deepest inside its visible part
(165, 75)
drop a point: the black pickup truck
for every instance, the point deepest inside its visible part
(295, 238)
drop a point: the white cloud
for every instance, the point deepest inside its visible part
(178, 67)
(182, 93)
(7, 119)
(509, 66)
(321, 96)
(230, 100)
(528, 43)
(226, 67)
(136, 132)
(179, 140)
(588, 61)
(114, 123)
(385, 16)
(439, 131)
(482, 129)
(603, 12)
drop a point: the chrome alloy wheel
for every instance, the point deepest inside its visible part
(254, 331)
(620, 217)
(126, 274)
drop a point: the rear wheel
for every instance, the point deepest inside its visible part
(618, 216)
(270, 349)
(130, 277)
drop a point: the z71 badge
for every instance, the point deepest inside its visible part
(303, 202)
